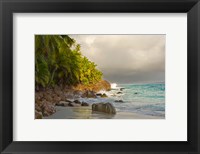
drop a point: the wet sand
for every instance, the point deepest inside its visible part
(87, 113)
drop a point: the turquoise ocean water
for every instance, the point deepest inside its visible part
(145, 99)
(148, 99)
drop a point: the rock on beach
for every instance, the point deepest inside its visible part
(104, 107)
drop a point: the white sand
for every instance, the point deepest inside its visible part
(87, 113)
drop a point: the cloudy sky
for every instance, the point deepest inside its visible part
(126, 58)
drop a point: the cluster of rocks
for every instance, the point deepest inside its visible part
(101, 95)
(47, 99)
(75, 103)
(88, 94)
(44, 109)
(120, 101)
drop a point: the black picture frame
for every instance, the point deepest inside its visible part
(8, 7)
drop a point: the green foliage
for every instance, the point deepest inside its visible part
(59, 62)
(42, 74)
(88, 72)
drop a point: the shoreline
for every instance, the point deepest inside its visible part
(47, 99)
(81, 103)
(87, 113)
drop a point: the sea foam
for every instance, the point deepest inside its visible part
(113, 86)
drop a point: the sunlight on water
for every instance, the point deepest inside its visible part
(113, 86)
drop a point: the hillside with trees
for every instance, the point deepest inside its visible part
(58, 61)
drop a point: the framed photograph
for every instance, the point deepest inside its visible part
(99, 76)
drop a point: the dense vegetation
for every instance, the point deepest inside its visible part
(58, 61)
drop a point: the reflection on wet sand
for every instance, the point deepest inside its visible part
(87, 113)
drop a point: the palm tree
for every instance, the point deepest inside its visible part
(59, 61)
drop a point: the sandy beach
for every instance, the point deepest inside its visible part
(103, 80)
(87, 113)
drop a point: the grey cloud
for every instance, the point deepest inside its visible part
(126, 58)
